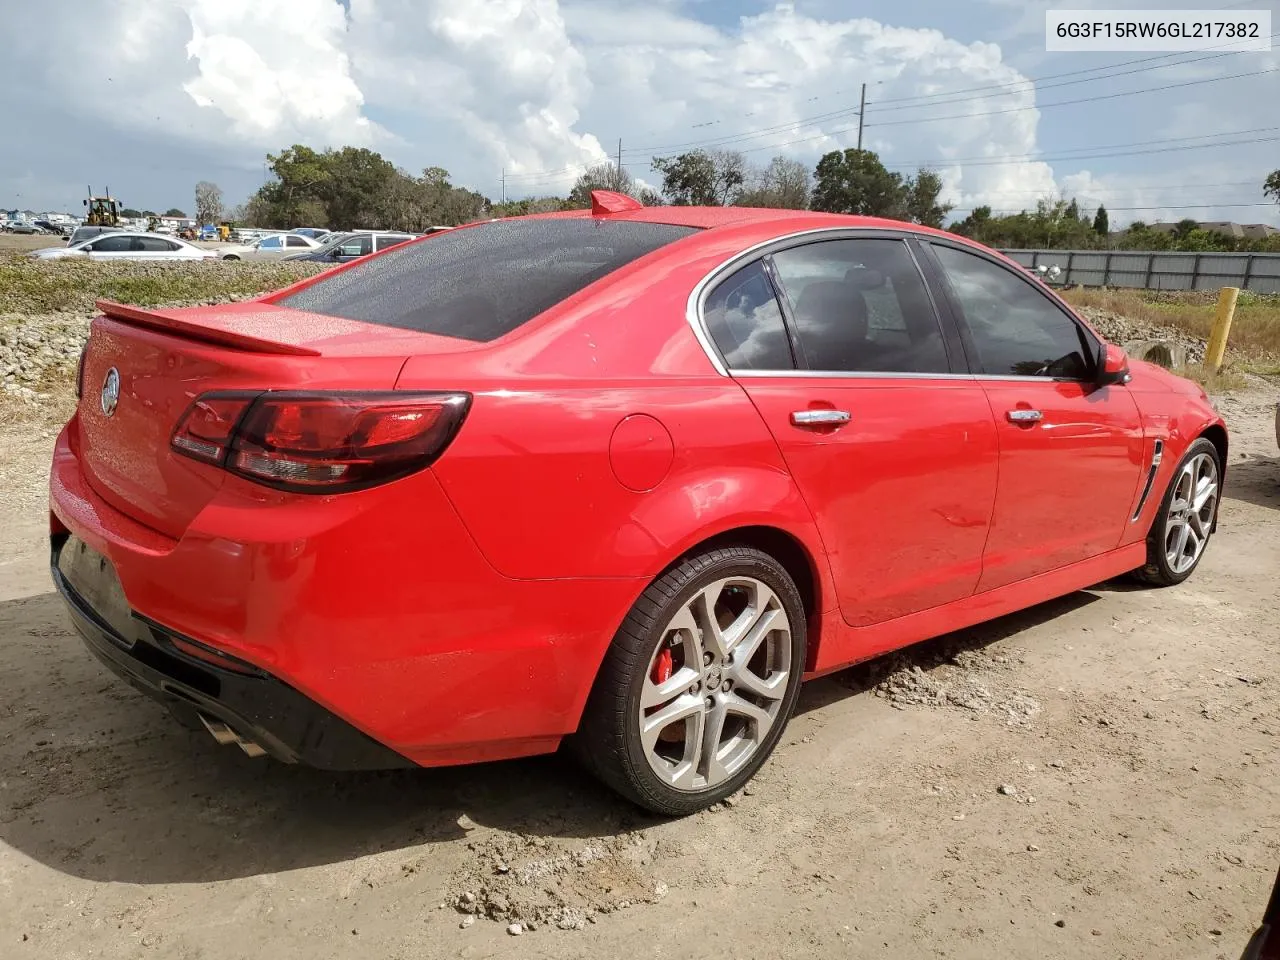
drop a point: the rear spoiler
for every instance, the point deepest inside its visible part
(171, 321)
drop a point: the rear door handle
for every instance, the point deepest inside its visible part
(1024, 416)
(819, 418)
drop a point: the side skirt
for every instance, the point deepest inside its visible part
(846, 645)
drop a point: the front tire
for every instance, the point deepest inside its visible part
(1182, 527)
(699, 682)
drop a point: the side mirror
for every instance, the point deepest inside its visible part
(1113, 365)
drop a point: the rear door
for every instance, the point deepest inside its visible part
(1071, 454)
(891, 444)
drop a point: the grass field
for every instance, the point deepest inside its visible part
(1255, 331)
(54, 286)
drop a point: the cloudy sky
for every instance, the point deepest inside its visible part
(151, 97)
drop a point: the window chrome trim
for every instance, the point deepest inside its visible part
(890, 375)
(851, 375)
(698, 296)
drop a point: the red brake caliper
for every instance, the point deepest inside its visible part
(662, 666)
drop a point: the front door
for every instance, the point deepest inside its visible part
(894, 453)
(1071, 453)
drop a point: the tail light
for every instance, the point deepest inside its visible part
(320, 442)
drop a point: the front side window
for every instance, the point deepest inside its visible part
(745, 322)
(270, 243)
(357, 246)
(112, 245)
(861, 306)
(1016, 329)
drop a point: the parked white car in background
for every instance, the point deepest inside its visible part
(128, 246)
(270, 248)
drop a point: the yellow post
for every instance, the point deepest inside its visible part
(1221, 328)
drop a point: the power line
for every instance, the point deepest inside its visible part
(951, 96)
(1037, 194)
(965, 116)
(1067, 103)
(1106, 153)
(1161, 206)
(922, 99)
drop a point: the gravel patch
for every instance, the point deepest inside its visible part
(534, 883)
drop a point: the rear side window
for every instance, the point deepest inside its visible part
(744, 320)
(485, 281)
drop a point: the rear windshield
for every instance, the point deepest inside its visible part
(485, 281)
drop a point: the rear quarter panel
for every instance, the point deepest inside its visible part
(531, 473)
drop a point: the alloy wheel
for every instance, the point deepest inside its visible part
(1191, 512)
(715, 683)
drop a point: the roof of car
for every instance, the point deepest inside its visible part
(712, 217)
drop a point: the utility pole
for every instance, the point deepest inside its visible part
(862, 106)
(619, 163)
(503, 178)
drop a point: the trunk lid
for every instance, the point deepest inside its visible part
(164, 359)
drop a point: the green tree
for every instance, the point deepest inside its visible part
(1184, 228)
(1271, 186)
(920, 203)
(174, 212)
(784, 184)
(130, 213)
(855, 181)
(1073, 209)
(1101, 222)
(702, 178)
(600, 176)
(974, 224)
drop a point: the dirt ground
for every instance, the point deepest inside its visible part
(1093, 778)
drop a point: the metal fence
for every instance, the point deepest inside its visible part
(1259, 272)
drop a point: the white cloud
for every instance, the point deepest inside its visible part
(276, 71)
(495, 84)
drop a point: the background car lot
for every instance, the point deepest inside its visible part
(1137, 730)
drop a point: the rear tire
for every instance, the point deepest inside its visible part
(1182, 526)
(230, 256)
(699, 682)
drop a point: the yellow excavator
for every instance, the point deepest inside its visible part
(102, 211)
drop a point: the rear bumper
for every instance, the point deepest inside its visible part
(258, 707)
(374, 609)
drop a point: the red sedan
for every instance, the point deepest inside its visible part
(627, 475)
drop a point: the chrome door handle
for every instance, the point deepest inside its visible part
(1025, 416)
(819, 418)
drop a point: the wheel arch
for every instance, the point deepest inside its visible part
(789, 548)
(1216, 434)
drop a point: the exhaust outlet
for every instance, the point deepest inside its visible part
(225, 735)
